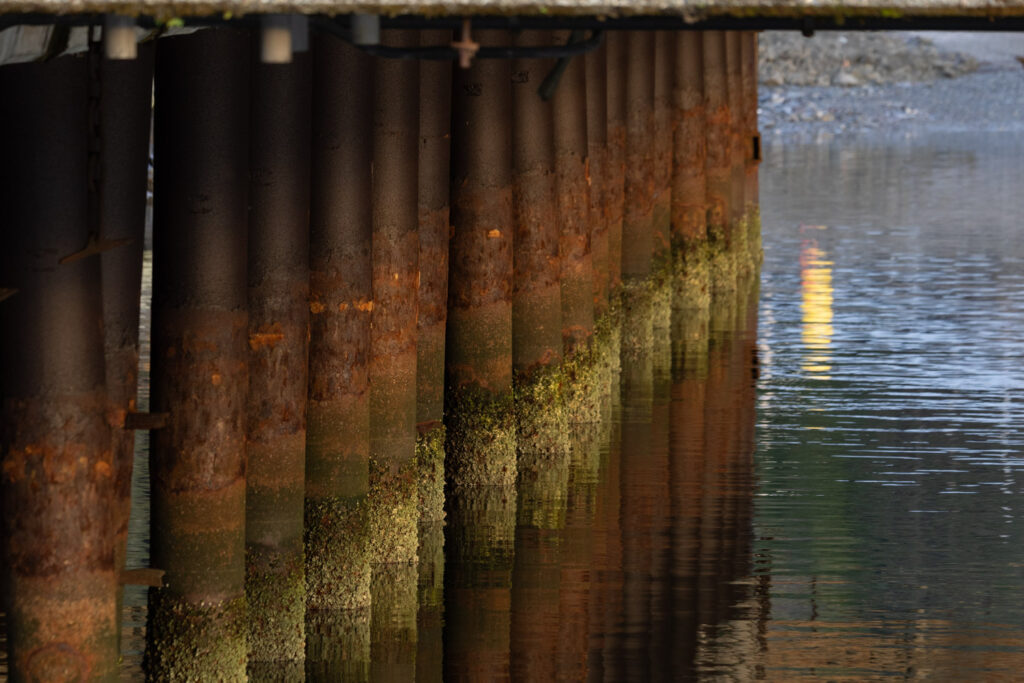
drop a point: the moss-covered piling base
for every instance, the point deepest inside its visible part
(192, 642)
(480, 443)
(337, 554)
(276, 596)
(430, 473)
(393, 514)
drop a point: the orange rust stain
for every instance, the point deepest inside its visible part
(586, 171)
(494, 234)
(365, 306)
(102, 468)
(258, 340)
(342, 307)
(216, 379)
(316, 307)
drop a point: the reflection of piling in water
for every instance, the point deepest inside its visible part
(125, 109)
(200, 353)
(58, 468)
(478, 583)
(278, 363)
(639, 474)
(393, 622)
(686, 473)
(536, 571)
(338, 424)
(478, 356)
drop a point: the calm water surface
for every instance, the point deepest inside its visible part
(890, 406)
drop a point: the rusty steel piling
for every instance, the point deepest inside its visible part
(661, 144)
(752, 144)
(478, 356)
(637, 223)
(395, 255)
(434, 165)
(197, 625)
(340, 304)
(597, 179)
(434, 212)
(57, 486)
(615, 181)
(125, 96)
(571, 166)
(689, 176)
(536, 308)
(481, 450)
(278, 338)
(717, 122)
(394, 503)
(739, 145)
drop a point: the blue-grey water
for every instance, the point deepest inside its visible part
(890, 452)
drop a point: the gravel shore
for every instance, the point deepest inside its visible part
(850, 83)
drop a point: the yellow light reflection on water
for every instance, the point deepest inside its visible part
(816, 306)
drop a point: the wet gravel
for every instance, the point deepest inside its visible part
(891, 83)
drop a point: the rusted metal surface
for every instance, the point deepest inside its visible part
(689, 175)
(738, 135)
(752, 137)
(637, 222)
(572, 168)
(200, 354)
(661, 146)
(479, 348)
(597, 151)
(57, 479)
(434, 164)
(536, 308)
(278, 335)
(615, 181)
(125, 95)
(395, 257)
(717, 128)
(340, 304)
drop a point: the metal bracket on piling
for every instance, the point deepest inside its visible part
(146, 421)
(95, 245)
(465, 45)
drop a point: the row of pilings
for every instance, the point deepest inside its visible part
(376, 282)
